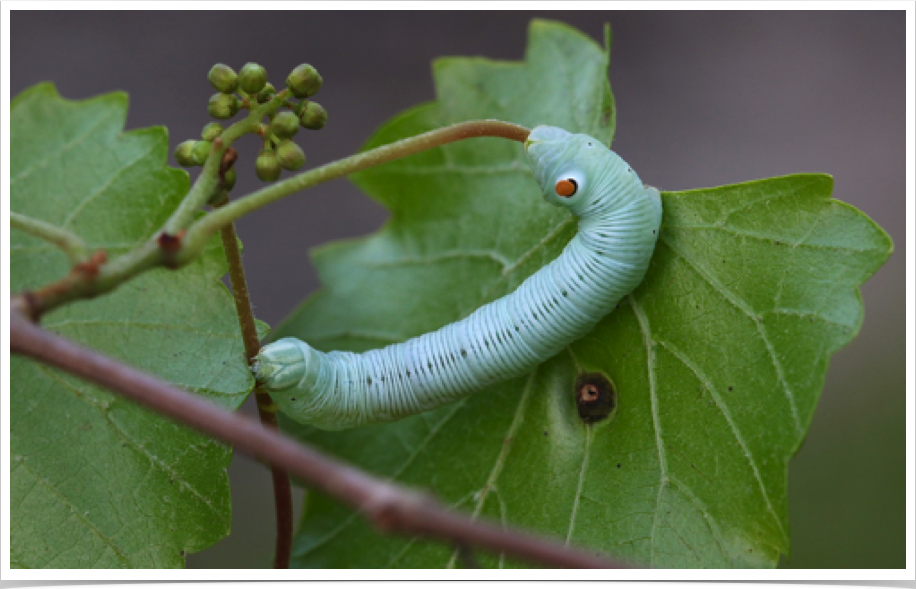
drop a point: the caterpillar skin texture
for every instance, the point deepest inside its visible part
(619, 220)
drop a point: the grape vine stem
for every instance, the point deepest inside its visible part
(283, 499)
(182, 239)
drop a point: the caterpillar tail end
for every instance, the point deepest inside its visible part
(279, 366)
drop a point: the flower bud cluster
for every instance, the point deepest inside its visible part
(246, 90)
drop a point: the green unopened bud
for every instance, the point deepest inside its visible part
(267, 93)
(313, 116)
(285, 125)
(223, 78)
(290, 155)
(267, 166)
(252, 78)
(223, 106)
(211, 131)
(184, 153)
(229, 178)
(304, 81)
(200, 152)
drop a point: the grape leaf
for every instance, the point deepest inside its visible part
(97, 481)
(717, 359)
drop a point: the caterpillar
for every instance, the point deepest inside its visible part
(619, 220)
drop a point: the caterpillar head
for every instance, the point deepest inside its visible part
(567, 167)
(281, 365)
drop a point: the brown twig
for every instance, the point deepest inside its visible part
(391, 507)
(283, 499)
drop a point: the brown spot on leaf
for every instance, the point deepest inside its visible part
(596, 398)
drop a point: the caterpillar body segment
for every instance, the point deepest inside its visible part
(619, 219)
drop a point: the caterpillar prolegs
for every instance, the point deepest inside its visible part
(619, 220)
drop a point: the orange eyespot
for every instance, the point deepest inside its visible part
(566, 188)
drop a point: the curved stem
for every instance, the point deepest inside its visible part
(283, 499)
(190, 245)
(71, 243)
(391, 507)
(200, 231)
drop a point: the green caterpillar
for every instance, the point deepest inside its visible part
(619, 219)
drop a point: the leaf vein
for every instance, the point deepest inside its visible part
(710, 522)
(746, 309)
(65, 501)
(522, 259)
(354, 514)
(800, 244)
(500, 462)
(656, 422)
(582, 470)
(107, 184)
(684, 359)
(106, 115)
(131, 324)
(133, 444)
(807, 314)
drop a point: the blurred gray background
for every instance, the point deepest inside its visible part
(704, 99)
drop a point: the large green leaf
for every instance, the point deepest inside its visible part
(96, 480)
(718, 358)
